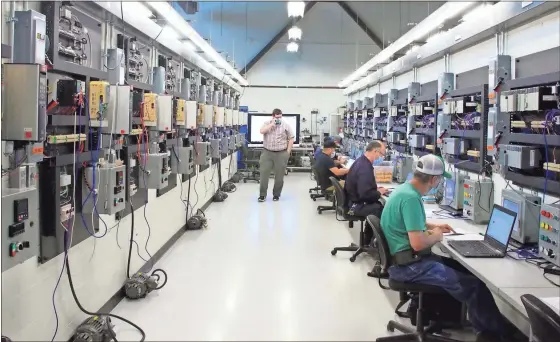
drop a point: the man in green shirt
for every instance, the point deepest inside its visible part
(410, 239)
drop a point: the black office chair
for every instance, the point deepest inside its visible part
(319, 193)
(421, 333)
(312, 174)
(342, 210)
(545, 323)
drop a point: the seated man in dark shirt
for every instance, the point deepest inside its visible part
(326, 167)
(361, 188)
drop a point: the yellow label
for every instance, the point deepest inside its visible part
(98, 99)
(150, 107)
(200, 114)
(180, 113)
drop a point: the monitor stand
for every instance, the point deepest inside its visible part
(452, 211)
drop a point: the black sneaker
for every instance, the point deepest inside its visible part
(261, 198)
(276, 198)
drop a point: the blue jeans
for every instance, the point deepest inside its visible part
(459, 283)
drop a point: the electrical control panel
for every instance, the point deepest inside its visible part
(235, 117)
(20, 226)
(520, 157)
(219, 116)
(155, 173)
(378, 135)
(165, 113)
(24, 102)
(150, 109)
(416, 140)
(179, 105)
(224, 144)
(215, 148)
(403, 167)
(208, 115)
(109, 183)
(228, 117)
(190, 114)
(202, 153)
(181, 160)
(30, 32)
(478, 200)
(119, 110)
(528, 208)
(394, 137)
(231, 143)
(98, 102)
(455, 146)
(549, 233)
(453, 195)
(200, 114)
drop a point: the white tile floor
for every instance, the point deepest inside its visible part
(263, 271)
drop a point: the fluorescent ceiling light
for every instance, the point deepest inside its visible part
(169, 33)
(433, 37)
(296, 8)
(432, 22)
(135, 7)
(294, 33)
(478, 13)
(292, 47)
(174, 19)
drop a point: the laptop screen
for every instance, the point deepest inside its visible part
(501, 224)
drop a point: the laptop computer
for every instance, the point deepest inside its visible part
(495, 240)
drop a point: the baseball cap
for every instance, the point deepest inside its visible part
(329, 144)
(432, 165)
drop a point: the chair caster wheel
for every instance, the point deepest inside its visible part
(314, 199)
(244, 181)
(319, 211)
(352, 258)
(333, 252)
(309, 190)
(390, 327)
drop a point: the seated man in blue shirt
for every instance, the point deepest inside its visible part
(338, 159)
(362, 191)
(410, 239)
(326, 167)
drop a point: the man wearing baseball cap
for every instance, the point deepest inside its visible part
(410, 239)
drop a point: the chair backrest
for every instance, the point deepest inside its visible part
(382, 245)
(545, 323)
(340, 196)
(316, 176)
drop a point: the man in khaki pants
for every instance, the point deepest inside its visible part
(278, 140)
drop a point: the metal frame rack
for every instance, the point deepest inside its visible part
(417, 111)
(476, 136)
(538, 136)
(397, 112)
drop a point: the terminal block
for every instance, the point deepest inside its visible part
(155, 173)
(20, 226)
(109, 186)
(478, 199)
(181, 160)
(202, 153)
(549, 234)
(99, 96)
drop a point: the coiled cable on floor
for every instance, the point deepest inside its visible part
(154, 274)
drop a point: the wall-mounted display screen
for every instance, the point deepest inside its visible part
(257, 120)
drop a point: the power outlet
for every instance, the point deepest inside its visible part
(66, 212)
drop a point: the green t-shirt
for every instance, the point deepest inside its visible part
(403, 213)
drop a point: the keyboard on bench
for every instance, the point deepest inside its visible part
(473, 246)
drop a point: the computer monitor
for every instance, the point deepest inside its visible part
(527, 207)
(449, 194)
(500, 226)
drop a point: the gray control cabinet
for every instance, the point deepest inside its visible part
(156, 173)
(520, 157)
(478, 200)
(403, 166)
(20, 226)
(455, 146)
(526, 229)
(549, 235)
(215, 148)
(202, 153)
(120, 110)
(182, 160)
(231, 140)
(110, 182)
(224, 144)
(417, 141)
(30, 35)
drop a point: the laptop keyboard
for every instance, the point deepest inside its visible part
(474, 246)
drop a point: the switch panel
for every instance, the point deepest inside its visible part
(20, 226)
(110, 182)
(181, 160)
(155, 173)
(202, 153)
(478, 199)
(549, 234)
(215, 148)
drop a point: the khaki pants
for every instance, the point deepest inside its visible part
(331, 188)
(273, 161)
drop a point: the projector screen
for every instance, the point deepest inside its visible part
(256, 121)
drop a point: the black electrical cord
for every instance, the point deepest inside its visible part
(148, 239)
(73, 290)
(154, 274)
(131, 237)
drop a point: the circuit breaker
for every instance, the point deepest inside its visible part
(150, 109)
(191, 108)
(24, 102)
(219, 116)
(208, 115)
(110, 183)
(179, 112)
(119, 110)
(455, 146)
(202, 153)
(549, 234)
(155, 174)
(416, 141)
(478, 200)
(165, 113)
(20, 226)
(520, 157)
(181, 160)
(215, 148)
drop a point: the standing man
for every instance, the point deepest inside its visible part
(278, 140)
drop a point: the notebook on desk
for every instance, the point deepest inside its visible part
(495, 240)
(349, 163)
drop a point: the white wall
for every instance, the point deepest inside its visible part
(27, 312)
(332, 46)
